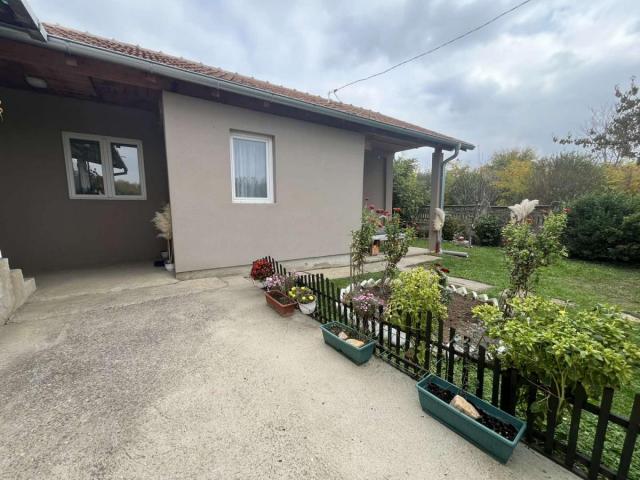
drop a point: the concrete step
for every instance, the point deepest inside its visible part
(17, 283)
(14, 289)
(6, 291)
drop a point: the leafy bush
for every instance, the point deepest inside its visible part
(488, 230)
(452, 228)
(397, 244)
(527, 250)
(361, 240)
(415, 292)
(561, 347)
(604, 227)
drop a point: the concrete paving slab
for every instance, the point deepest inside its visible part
(406, 263)
(208, 382)
(113, 278)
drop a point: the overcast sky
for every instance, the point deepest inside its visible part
(531, 75)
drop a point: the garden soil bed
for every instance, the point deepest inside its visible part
(461, 319)
(501, 428)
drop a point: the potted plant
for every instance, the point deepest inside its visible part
(489, 428)
(276, 287)
(305, 298)
(356, 346)
(280, 302)
(261, 269)
(162, 221)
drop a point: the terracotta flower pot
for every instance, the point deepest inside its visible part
(280, 303)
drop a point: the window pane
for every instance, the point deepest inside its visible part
(126, 169)
(250, 166)
(88, 176)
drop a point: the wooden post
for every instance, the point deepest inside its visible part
(435, 238)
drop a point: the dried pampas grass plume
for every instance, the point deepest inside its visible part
(520, 211)
(438, 222)
(162, 221)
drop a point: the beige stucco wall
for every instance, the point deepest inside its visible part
(318, 175)
(40, 227)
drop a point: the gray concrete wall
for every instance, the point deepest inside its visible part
(373, 179)
(318, 175)
(40, 227)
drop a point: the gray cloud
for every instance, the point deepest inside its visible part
(533, 74)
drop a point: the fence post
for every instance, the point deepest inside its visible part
(508, 388)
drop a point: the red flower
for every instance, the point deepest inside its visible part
(261, 269)
(380, 211)
(397, 210)
(567, 210)
(444, 270)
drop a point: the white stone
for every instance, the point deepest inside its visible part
(483, 297)
(463, 291)
(474, 295)
(465, 407)
(343, 336)
(494, 301)
(354, 342)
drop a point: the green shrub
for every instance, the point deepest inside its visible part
(561, 347)
(452, 228)
(415, 292)
(604, 226)
(527, 250)
(488, 230)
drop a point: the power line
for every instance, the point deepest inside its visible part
(420, 55)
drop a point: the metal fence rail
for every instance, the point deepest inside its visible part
(423, 344)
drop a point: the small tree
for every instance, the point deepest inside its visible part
(361, 242)
(527, 250)
(614, 135)
(397, 244)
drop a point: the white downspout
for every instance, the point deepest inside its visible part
(443, 172)
(443, 176)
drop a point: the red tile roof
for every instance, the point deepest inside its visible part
(218, 73)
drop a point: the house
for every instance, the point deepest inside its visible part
(98, 134)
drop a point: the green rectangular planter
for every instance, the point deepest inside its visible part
(484, 438)
(357, 355)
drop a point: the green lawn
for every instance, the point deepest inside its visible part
(583, 283)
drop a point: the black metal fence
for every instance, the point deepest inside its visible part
(423, 344)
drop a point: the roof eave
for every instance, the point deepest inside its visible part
(98, 53)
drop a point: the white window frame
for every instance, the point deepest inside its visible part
(268, 141)
(107, 166)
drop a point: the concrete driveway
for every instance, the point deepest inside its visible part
(199, 379)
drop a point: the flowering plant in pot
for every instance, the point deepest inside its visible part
(277, 286)
(305, 298)
(260, 270)
(366, 304)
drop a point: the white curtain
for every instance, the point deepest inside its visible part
(250, 166)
